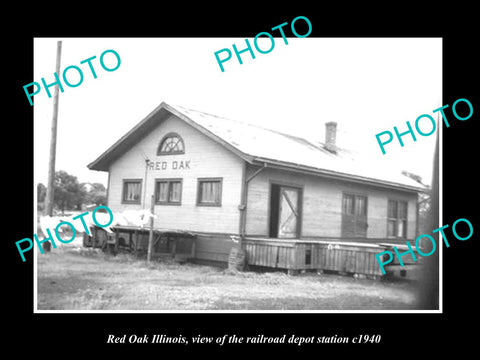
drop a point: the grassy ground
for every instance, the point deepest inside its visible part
(76, 278)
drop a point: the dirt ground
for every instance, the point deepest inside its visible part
(75, 278)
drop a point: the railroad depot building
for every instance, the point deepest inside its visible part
(287, 202)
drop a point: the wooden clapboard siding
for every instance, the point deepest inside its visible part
(322, 204)
(207, 159)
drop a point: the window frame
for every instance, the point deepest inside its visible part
(204, 180)
(347, 205)
(354, 197)
(124, 191)
(169, 181)
(396, 220)
(165, 138)
(354, 223)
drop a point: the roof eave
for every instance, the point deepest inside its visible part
(336, 175)
(102, 163)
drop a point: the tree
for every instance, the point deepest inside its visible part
(41, 195)
(67, 192)
(413, 176)
(423, 202)
(41, 192)
(97, 194)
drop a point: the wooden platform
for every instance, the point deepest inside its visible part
(347, 257)
(293, 255)
(166, 243)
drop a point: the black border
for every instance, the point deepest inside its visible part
(407, 334)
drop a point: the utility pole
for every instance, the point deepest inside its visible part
(53, 141)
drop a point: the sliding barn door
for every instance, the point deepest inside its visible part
(289, 214)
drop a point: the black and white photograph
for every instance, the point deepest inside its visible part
(258, 186)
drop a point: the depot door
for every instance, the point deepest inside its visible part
(354, 216)
(285, 211)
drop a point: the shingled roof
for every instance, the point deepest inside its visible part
(265, 147)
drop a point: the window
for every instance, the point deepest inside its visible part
(348, 204)
(171, 144)
(209, 192)
(354, 216)
(361, 205)
(354, 205)
(132, 190)
(168, 191)
(397, 219)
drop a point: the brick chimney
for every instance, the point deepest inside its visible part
(331, 136)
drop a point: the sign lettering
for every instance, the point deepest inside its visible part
(172, 165)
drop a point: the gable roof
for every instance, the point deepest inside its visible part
(261, 146)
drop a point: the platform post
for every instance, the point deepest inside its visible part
(150, 234)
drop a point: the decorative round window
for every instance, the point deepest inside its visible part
(171, 144)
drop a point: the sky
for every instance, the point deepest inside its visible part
(366, 85)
